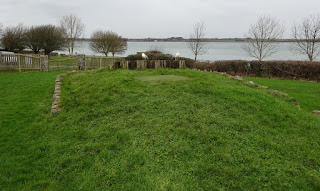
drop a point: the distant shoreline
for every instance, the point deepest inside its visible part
(186, 40)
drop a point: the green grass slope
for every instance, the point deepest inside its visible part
(307, 93)
(206, 132)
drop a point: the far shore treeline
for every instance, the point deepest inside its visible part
(260, 42)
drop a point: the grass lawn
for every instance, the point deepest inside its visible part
(307, 93)
(124, 130)
(24, 96)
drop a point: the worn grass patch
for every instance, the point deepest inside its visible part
(161, 78)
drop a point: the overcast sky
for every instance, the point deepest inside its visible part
(158, 18)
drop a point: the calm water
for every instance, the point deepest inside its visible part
(217, 50)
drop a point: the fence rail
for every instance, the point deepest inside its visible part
(63, 64)
(21, 62)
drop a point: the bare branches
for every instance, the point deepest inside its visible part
(307, 36)
(13, 38)
(196, 42)
(1, 29)
(118, 45)
(73, 28)
(107, 41)
(263, 37)
(34, 38)
(49, 38)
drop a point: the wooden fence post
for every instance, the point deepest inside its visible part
(157, 64)
(182, 64)
(44, 63)
(19, 62)
(164, 64)
(81, 60)
(141, 64)
(145, 64)
(99, 62)
(126, 64)
(138, 64)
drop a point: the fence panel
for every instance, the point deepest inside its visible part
(93, 62)
(8, 62)
(19, 62)
(63, 64)
(29, 63)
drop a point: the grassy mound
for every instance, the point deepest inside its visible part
(116, 132)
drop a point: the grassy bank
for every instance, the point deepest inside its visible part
(139, 130)
(307, 93)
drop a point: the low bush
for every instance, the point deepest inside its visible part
(134, 57)
(305, 70)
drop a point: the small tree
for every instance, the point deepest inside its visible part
(263, 37)
(51, 38)
(102, 41)
(34, 38)
(73, 28)
(196, 41)
(13, 38)
(118, 45)
(307, 37)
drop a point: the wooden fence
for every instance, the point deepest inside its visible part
(94, 62)
(63, 64)
(21, 62)
(149, 64)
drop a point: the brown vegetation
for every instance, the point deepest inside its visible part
(304, 70)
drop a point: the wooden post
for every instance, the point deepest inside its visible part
(145, 64)
(182, 64)
(157, 64)
(138, 64)
(19, 62)
(164, 64)
(44, 63)
(99, 62)
(141, 64)
(81, 60)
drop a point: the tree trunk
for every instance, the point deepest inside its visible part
(72, 46)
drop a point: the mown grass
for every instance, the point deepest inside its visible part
(24, 96)
(116, 132)
(307, 93)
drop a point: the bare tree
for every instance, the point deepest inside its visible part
(13, 38)
(106, 42)
(263, 37)
(196, 41)
(307, 36)
(1, 28)
(34, 38)
(73, 28)
(118, 45)
(51, 38)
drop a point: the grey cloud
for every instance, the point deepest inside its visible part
(158, 18)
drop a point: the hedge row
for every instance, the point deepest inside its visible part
(304, 70)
